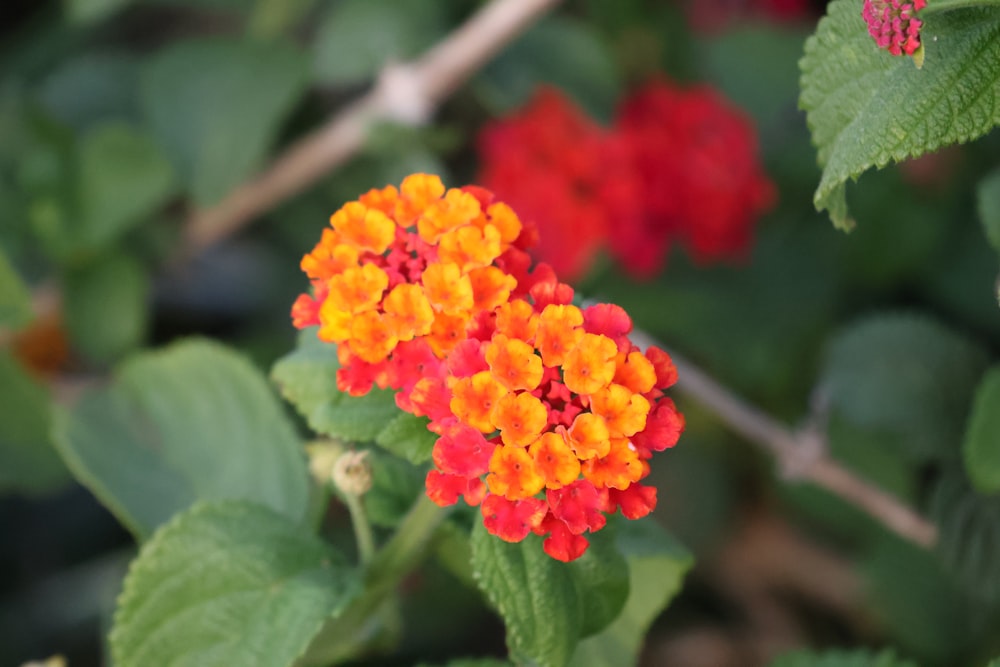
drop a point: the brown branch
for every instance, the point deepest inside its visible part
(407, 93)
(801, 455)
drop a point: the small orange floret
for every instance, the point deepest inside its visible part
(409, 310)
(367, 228)
(559, 331)
(443, 215)
(329, 257)
(416, 193)
(589, 436)
(624, 411)
(636, 372)
(520, 417)
(357, 289)
(372, 337)
(513, 474)
(554, 460)
(618, 469)
(517, 319)
(447, 332)
(491, 287)
(590, 366)
(384, 200)
(447, 288)
(514, 363)
(505, 220)
(334, 324)
(473, 399)
(469, 246)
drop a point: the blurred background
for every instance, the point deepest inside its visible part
(659, 149)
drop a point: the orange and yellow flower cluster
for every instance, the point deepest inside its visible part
(547, 413)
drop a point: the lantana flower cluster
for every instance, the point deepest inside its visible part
(547, 414)
(679, 165)
(894, 25)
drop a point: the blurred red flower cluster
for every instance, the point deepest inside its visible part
(679, 165)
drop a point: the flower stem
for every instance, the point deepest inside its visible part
(362, 528)
(935, 6)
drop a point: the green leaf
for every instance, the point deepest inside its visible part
(535, 595)
(106, 307)
(356, 38)
(472, 662)
(838, 658)
(307, 378)
(969, 535)
(407, 437)
(28, 462)
(92, 88)
(192, 422)
(395, 485)
(908, 376)
(559, 51)
(981, 448)
(228, 583)
(15, 299)
(124, 178)
(91, 11)
(216, 105)
(866, 108)
(602, 580)
(656, 566)
(988, 195)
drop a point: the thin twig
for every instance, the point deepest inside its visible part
(801, 455)
(407, 93)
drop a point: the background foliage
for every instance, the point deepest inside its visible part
(120, 117)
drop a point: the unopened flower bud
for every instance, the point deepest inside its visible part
(352, 473)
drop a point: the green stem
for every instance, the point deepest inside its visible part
(362, 623)
(935, 6)
(362, 528)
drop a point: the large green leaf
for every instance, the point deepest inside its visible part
(28, 462)
(908, 376)
(356, 38)
(106, 306)
(867, 108)
(15, 300)
(123, 179)
(215, 106)
(395, 485)
(969, 535)
(656, 566)
(92, 88)
(194, 421)
(602, 582)
(982, 440)
(228, 583)
(535, 595)
(562, 52)
(407, 436)
(840, 658)
(308, 379)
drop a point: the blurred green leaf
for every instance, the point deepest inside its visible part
(407, 437)
(981, 448)
(969, 535)
(988, 194)
(216, 105)
(123, 179)
(395, 485)
(906, 375)
(228, 583)
(560, 51)
(602, 581)
(901, 578)
(656, 565)
(106, 306)
(535, 594)
(867, 108)
(194, 421)
(840, 658)
(92, 88)
(271, 18)
(357, 37)
(15, 299)
(307, 378)
(472, 662)
(28, 461)
(91, 11)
